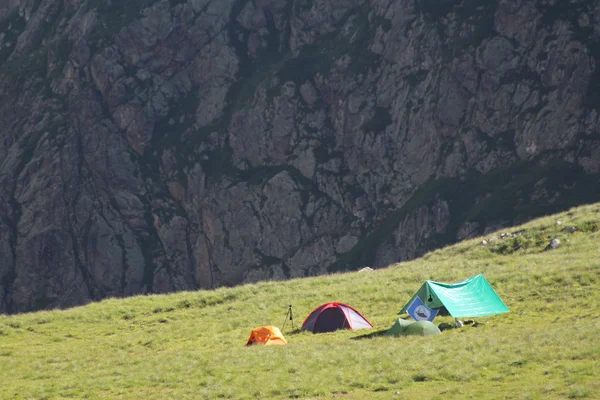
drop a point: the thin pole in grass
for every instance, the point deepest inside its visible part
(289, 313)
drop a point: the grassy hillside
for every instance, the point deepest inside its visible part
(191, 345)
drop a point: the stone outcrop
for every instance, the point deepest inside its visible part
(155, 146)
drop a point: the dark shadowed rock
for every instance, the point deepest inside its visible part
(445, 326)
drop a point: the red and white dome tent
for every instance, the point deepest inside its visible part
(330, 317)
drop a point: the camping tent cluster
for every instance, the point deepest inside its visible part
(473, 297)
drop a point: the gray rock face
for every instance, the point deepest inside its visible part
(554, 243)
(154, 145)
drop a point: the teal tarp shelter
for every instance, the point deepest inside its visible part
(473, 297)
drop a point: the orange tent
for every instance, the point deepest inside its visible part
(267, 335)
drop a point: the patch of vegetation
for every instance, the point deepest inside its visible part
(364, 252)
(362, 59)
(313, 59)
(60, 50)
(416, 78)
(486, 199)
(510, 190)
(191, 344)
(11, 26)
(592, 96)
(380, 120)
(320, 57)
(301, 6)
(475, 18)
(26, 67)
(519, 241)
(384, 23)
(253, 72)
(63, 48)
(588, 226)
(437, 9)
(553, 11)
(571, 12)
(523, 74)
(267, 262)
(174, 131)
(27, 144)
(115, 15)
(49, 47)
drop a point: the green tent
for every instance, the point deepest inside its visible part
(403, 327)
(399, 326)
(473, 297)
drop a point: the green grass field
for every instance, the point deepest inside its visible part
(191, 345)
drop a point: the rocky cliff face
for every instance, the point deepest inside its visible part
(154, 146)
